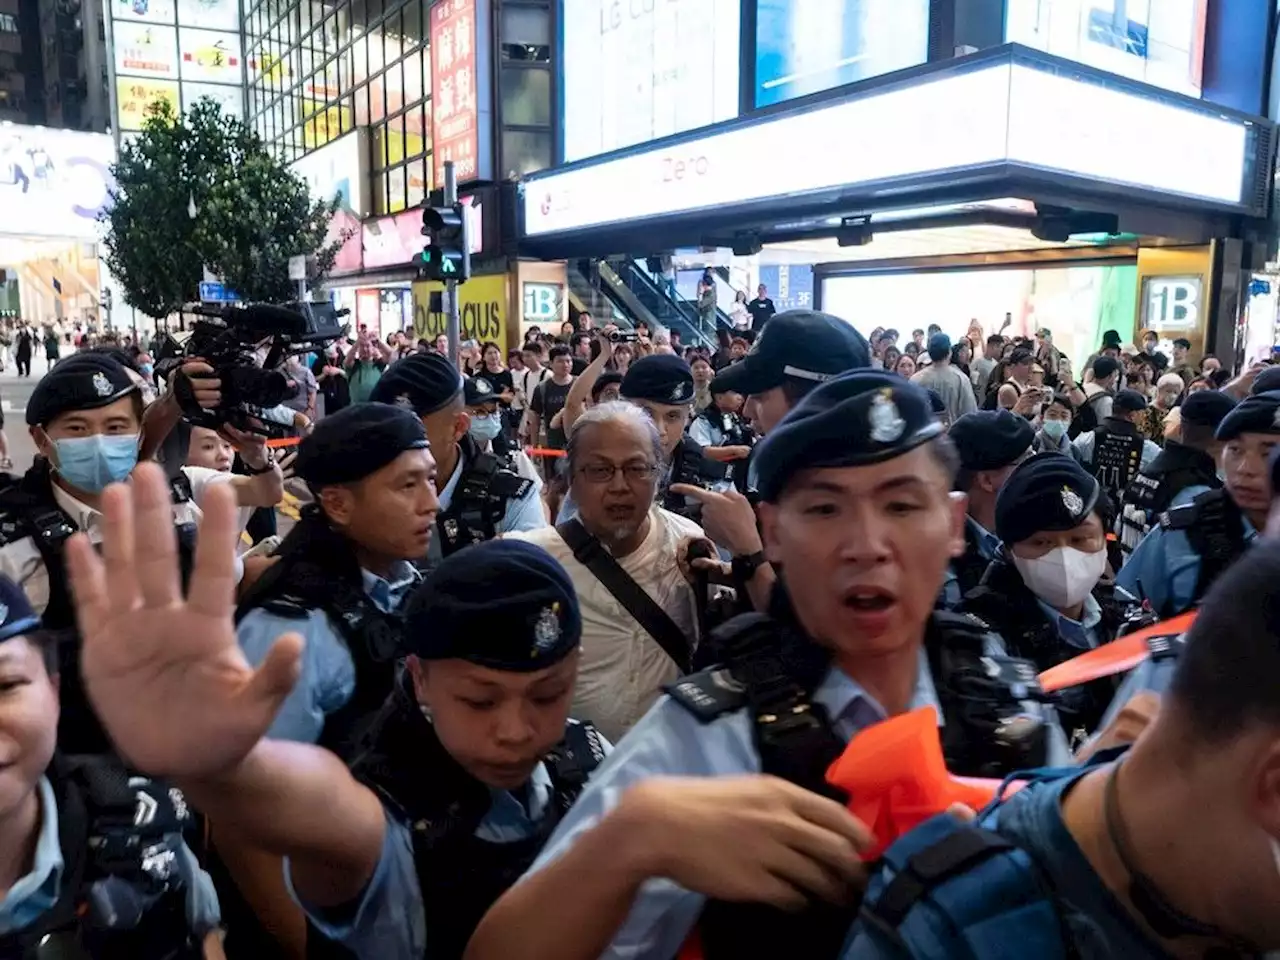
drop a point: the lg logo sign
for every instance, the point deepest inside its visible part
(1172, 303)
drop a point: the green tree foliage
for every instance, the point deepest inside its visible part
(251, 212)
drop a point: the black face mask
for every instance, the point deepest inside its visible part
(1156, 910)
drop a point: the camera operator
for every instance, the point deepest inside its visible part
(481, 495)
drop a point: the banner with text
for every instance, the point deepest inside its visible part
(482, 302)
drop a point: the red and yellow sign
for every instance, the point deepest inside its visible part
(135, 97)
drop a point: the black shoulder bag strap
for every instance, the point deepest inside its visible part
(656, 622)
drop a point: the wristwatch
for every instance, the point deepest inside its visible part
(745, 566)
(266, 467)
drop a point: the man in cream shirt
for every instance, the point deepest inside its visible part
(614, 461)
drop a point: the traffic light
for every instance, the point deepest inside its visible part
(447, 255)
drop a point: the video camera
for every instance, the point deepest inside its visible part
(229, 338)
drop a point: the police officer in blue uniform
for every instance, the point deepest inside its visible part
(1186, 467)
(480, 495)
(1047, 593)
(990, 444)
(1114, 451)
(95, 861)
(859, 517)
(1175, 563)
(471, 764)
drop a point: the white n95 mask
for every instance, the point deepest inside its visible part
(1064, 576)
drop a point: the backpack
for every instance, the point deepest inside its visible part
(950, 890)
(1086, 419)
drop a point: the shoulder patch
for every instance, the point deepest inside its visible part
(708, 694)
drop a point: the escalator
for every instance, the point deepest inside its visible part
(668, 311)
(586, 293)
(688, 306)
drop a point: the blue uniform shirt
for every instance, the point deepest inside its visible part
(1081, 634)
(670, 741)
(328, 676)
(1164, 569)
(38, 890)
(988, 547)
(523, 513)
(388, 921)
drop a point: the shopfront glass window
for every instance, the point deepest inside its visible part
(394, 79)
(525, 34)
(526, 97)
(415, 182)
(415, 130)
(395, 190)
(395, 141)
(413, 31)
(525, 152)
(413, 66)
(359, 60)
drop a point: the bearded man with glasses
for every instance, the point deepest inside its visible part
(628, 559)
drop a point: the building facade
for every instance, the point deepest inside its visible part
(73, 52)
(16, 38)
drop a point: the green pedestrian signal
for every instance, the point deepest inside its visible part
(447, 255)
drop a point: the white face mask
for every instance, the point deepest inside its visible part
(1064, 576)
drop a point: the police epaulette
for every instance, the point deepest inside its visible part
(1180, 518)
(708, 694)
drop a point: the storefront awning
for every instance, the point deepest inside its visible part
(1004, 122)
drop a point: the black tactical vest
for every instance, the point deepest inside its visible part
(124, 883)
(771, 671)
(480, 499)
(1153, 489)
(1117, 455)
(1004, 601)
(318, 570)
(28, 509)
(1215, 529)
(460, 876)
(970, 565)
(734, 431)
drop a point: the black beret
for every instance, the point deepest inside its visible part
(991, 439)
(1207, 407)
(356, 441)
(1049, 491)
(606, 379)
(422, 382)
(659, 378)
(1259, 413)
(1266, 381)
(1104, 367)
(1128, 401)
(796, 344)
(859, 418)
(83, 381)
(529, 622)
(16, 613)
(477, 390)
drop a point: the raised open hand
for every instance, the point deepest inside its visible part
(165, 673)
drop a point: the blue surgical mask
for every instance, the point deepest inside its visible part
(485, 428)
(147, 369)
(90, 463)
(1054, 429)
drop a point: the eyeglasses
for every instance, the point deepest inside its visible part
(633, 472)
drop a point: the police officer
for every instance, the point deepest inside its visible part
(1047, 593)
(722, 425)
(1187, 466)
(473, 761)
(794, 354)
(95, 862)
(856, 483)
(1115, 451)
(486, 428)
(990, 444)
(480, 496)
(1176, 562)
(85, 418)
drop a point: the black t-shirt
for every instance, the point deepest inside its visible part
(500, 381)
(579, 365)
(761, 309)
(548, 400)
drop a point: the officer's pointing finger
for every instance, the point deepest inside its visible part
(689, 490)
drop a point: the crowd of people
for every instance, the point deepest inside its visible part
(559, 658)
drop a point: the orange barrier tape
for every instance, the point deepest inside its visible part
(543, 452)
(1114, 657)
(284, 442)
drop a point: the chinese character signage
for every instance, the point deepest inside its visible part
(135, 97)
(231, 99)
(209, 14)
(455, 113)
(144, 50)
(209, 57)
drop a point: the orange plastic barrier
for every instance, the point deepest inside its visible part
(543, 452)
(276, 444)
(1114, 657)
(896, 777)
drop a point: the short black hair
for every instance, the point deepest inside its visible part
(1020, 356)
(947, 456)
(1225, 680)
(559, 350)
(995, 340)
(1197, 435)
(1182, 342)
(1062, 400)
(917, 332)
(796, 389)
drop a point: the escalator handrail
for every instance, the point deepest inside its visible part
(681, 308)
